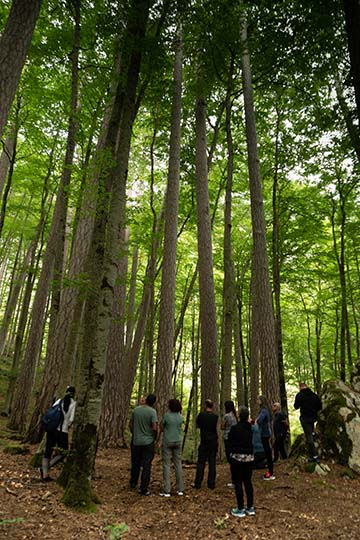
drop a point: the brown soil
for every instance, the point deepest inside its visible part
(296, 506)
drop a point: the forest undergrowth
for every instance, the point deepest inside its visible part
(296, 506)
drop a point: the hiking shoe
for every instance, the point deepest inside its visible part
(180, 493)
(47, 479)
(268, 476)
(250, 511)
(163, 494)
(238, 513)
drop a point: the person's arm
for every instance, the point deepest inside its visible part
(131, 424)
(261, 417)
(297, 402)
(223, 423)
(154, 424)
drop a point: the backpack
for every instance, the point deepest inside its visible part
(53, 418)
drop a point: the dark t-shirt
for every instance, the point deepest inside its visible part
(207, 422)
(280, 423)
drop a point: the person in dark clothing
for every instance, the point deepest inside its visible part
(280, 425)
(309, 404)
(241, 458)
(207, 423)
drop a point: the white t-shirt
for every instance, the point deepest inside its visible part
(69, 415)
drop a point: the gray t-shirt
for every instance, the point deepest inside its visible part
(229, 421)
(143, 417)
(172, 423)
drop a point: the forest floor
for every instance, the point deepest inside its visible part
(296, 506)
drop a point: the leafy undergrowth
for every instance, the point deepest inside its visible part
(296, 506)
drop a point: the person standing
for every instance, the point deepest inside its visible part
(171, 426)
(309, 404)
(144, 427)
(207, 423)
(241, 459)
(60, 437)
(263, 421)
(280, 425)
(228, 421)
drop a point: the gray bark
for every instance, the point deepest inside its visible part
(209, 350)
(165, 342)
(263, 343)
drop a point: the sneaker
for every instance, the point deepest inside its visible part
(250, 511)
(230, 485)
(163, 494)
(180, 493)
(268, 476)
(145, 493)
(314, 459)
(238, 513)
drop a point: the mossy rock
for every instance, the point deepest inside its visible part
(299, 447)
(16, 449)
(339, 424)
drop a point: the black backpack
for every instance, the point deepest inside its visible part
(53, 418)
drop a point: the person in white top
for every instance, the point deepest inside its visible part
(59, 437)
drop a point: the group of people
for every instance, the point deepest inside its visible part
(247, 442)
(242, 437)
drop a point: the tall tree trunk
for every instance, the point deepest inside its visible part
(6, 157)
(130, 316)
(209, 350)
(53, 366)
(352, 19)
(109, 426)
(8, 183)
(165, 342)
(345, 339)
(263, 342)
(276, 265)
(13, 298)
(318, 326)
(228, 286)
(109, 220)
(14, 45)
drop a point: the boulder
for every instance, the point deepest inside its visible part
(339, 424)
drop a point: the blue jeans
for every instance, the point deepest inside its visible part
(172, 451)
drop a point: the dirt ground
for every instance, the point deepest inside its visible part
(296, 506)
